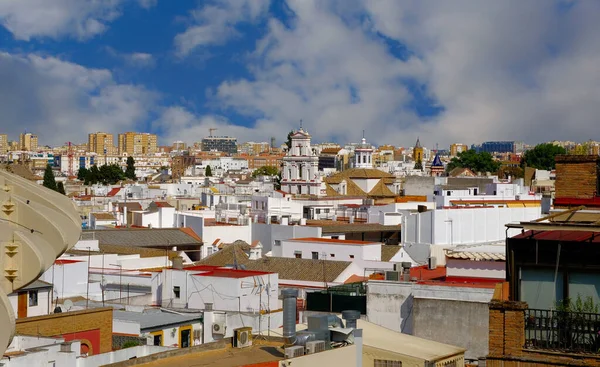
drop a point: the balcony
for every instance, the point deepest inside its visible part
(562, 331)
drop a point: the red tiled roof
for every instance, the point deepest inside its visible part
(355, 279)
(113, 191)
(423, 272)
(567, 236)
(254, 243)
(65, 262)
(190, 232)
(332, 241)
(216, 242)
(231, 273)
(162, 204)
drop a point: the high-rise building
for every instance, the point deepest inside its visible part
(497, 147)
(252, 148)
(28, 142)
(179, 145)
(3, 143)
(101, 143)
(137, 143)
(224, 144)
(457, 148)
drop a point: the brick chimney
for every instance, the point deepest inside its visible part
(577, 177)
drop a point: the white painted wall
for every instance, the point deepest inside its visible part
(475, 269)
(249, 294)
(336, 252)
(119, 355)
(453, 227)
(43, 305)
(126, 327)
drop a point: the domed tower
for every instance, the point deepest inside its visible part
(363, 155)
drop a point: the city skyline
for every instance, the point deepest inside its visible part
(396, 70)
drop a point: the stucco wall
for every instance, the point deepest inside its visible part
(464, 324)
(389, 305)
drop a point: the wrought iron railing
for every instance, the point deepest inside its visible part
(576, 332)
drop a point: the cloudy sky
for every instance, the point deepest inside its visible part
(447, 71)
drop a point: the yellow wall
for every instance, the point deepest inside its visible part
(370, 354)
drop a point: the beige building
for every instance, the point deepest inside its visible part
(3, 143)
(137, 143)
(457, 148)
(28, 142)
(101, 143)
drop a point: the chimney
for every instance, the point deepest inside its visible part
(207, 323)
(178, 262)
(351, 316)
(65, 347)
(289, 296)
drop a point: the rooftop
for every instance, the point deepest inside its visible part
(151, 319)
(330, 227)
(145, 237)
(332, 241)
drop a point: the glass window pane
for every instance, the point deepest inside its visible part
(538, 289)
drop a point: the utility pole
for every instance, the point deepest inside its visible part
(87, 291)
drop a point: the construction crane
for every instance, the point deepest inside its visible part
(70, 156)
(210, 130)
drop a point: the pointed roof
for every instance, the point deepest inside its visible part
(418, 144)
(380, 189)
(437, 162)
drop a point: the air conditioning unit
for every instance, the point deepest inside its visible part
(394, 276)
(293, 352)
(432, 263)
(242, 337)
(218, 328)
(316, 346)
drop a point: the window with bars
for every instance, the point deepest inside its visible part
(387, 363)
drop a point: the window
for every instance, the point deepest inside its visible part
(335, 237)
(352, 256)
(448, 193)
(298, 254)
(33, 298)
(177, 291)
(157, 340)
(331, 255)
(318, 211)
(387, 363)
(315, 255)
(277, 242)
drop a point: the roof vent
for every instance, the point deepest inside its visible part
(65, 347)
(351, 316)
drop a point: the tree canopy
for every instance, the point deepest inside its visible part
(49, 180)
(106, 175)
(418, 165)
(542, 156)
(130, 170)
(265, 171)
(208, 172)
(60, 187)
(288, 142)
(476, 162)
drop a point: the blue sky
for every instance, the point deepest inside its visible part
(456, 71)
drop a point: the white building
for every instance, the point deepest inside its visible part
(363, 155)
(225, 289)
(273, 209)
(300, 166)
(496, 194)
(33, 300)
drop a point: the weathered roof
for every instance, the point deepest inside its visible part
(132, 205)
(329, 226)
(154, 319)
(308, 270)
(388, 251)
(287, 268)
(142, 237)
(36, 284)
(460, 171)
(358, 173)
(103, 216)
(476, 256)
(381, 190)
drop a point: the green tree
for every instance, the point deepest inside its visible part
(265, 171)
(49, 180)
(288, 142)
(208, 172)
(130, 170)
(542, 156)
(93, 176)
(130, 344)
(512, 172)
(82, 173)
(476, 162)
(111, 174)
(277, 183)
(418, 165)
(60, 187)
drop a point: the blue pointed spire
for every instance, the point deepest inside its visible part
(437, 162)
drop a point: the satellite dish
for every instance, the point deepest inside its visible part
(68, 304)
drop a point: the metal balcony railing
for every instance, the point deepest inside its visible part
(574, 332)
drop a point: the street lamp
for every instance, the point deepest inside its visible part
(120, 281)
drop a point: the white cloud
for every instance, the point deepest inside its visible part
(215, 23)
(80, 19)
(178, 123)
(500, 70)
(140, 59)
(147, 4)
(62, 101)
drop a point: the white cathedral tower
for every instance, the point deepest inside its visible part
(363, 155)
(300, 167)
